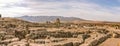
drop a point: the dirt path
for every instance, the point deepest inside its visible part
(111, 42)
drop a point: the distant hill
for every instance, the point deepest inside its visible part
(48, 18)
(14, 21)
(8, 19)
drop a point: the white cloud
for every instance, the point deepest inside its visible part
(9, 1)
(76, 9)
(80, 9)
(8, 8)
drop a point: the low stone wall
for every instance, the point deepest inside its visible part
(62, 44)
(95, 39)
(9, 40)
(18, 44)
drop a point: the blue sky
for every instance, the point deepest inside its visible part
(102, 10)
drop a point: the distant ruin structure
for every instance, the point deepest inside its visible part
(48, 22)
(57, 21)
(0, 15)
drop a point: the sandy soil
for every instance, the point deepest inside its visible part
(111, 42)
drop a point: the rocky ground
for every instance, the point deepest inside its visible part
(15, 32)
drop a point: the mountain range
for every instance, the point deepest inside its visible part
(49, 18)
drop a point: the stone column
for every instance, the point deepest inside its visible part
(0, 15)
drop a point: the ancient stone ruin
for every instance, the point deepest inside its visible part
(16, 32)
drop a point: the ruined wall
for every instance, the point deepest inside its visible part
(95, 39)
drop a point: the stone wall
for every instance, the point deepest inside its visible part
(95, 39)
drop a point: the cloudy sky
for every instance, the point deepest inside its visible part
(105, 10)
